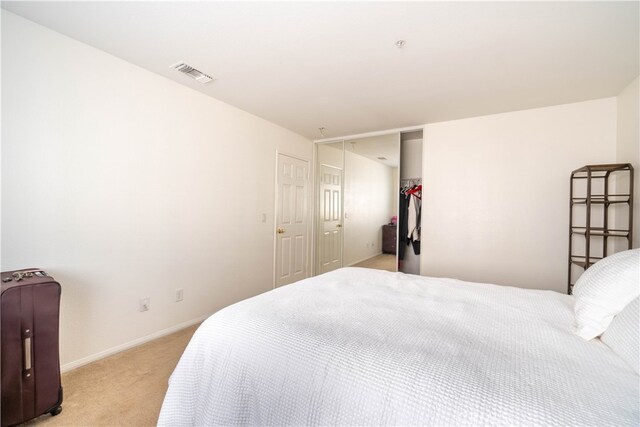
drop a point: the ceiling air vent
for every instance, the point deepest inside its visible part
(192, 72)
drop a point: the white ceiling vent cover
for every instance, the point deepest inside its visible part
(192, 72)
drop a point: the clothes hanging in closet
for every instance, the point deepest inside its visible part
(410, 210)
(403, 210)
(413, 222)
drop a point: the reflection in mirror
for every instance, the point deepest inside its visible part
(357, 203)
(371, 201)
(329, 167)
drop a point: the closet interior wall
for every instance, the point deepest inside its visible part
(410, 168)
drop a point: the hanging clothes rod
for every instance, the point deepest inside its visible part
(411, 181)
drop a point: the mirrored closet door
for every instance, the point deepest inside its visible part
(357, 204)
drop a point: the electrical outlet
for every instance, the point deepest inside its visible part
(179, 295)
(145, 304)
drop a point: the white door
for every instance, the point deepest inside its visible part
(291, 220)
(330, 221)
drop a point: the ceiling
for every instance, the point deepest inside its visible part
(335, 64)
(374, 147)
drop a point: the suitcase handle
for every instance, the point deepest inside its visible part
(27, 355)
(25, 274)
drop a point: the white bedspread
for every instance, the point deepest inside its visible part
(365, 347)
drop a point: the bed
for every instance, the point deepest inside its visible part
(366, 347)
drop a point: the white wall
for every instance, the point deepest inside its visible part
(628, 145)
(411, 167)
(368, 205)
(496, 191)
(124, 184)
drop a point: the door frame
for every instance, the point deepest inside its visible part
(308, 212)
(316, 184)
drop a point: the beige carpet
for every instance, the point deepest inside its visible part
(125, 389)
(380, 262)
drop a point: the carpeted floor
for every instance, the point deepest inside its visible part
(125, 389)
(380, 262)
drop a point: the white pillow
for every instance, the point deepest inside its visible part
(604, 290)
(622, 335)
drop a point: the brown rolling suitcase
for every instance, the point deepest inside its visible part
(29, 355)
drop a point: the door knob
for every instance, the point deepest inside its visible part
(339, 225)
(280, 230)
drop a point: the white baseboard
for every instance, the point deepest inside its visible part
(363, 259)
(126, 346)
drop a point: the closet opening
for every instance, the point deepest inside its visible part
(410, 202)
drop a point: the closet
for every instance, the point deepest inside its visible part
(365, 186)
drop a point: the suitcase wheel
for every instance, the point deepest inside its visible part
(55, 411)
